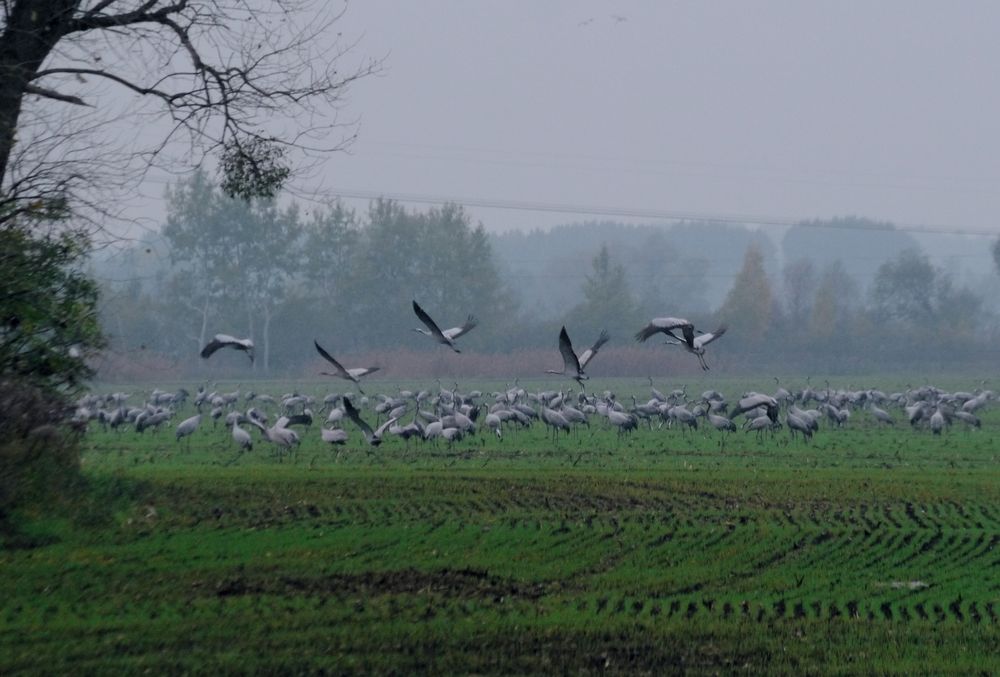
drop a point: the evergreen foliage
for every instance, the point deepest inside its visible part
(48, 308)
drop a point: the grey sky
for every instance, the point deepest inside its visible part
(786, 109)
(765, 109)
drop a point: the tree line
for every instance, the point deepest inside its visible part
(285, 274)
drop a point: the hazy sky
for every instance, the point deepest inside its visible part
(769, 109)
(781, 110)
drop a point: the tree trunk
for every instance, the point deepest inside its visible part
(33, 29)
(204, 311)
(267, 339)
(202, 336)
(250, 316)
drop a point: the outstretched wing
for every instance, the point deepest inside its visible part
(298, 419)
(569, 357)
(252, 421)
(329, 358)
(752, 401)
(211, 347)
(588, 354)
(226, 341)
(662, 324)
(382, 428)
(470, 324)
(352, 414)
(705, 339)
(429, 323)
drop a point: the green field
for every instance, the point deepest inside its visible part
(867, 551)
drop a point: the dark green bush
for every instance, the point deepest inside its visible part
(39, 453)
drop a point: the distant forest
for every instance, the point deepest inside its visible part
(841, 296)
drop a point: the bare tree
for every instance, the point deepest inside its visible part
(221, 76)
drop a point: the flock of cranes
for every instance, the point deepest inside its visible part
(694, 341)
(449, 415)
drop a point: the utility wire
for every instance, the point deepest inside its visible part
(654, 214)
(314, 194)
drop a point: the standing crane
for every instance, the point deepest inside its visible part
(657, 395)
(242, 437)
(283, 438)
(333, 435)
(187, 427)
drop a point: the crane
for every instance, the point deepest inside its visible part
(752, 401)
(285, 438)
(657, 395)
(573, 365)
(187, 427)
(448, 336)
(696, 344)
(333, 435)
(226, 341)
(242, 437)
(666, 325)
(373, 437)
(339, 371)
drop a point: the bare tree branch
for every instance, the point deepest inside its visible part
(52, 94)
(227, 75)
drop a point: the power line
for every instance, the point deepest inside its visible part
(651, 214)
(654, 214)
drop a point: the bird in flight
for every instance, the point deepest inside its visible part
(696, 344)
(573, 365)
(339, 371)
(666, 325)
(448, 336)
(227, 341)
(374, 437)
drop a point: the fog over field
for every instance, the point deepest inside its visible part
(500, 150)
(835, 297)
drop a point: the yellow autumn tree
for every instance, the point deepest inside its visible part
(747, 308)
(836, 294)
